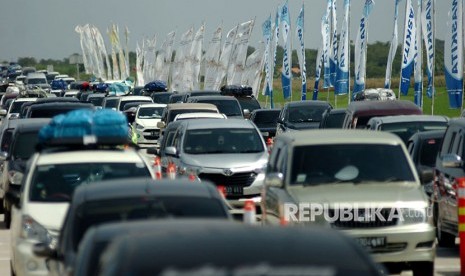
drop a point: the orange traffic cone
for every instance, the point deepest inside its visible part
(250, 216)
(269, 144)
(157, 167)
(171, 171)
(282, 219)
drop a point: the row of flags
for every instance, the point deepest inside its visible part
(228, 62)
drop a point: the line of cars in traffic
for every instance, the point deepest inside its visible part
(230, 157)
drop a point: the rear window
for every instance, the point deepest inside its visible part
(173, 113)
(227, 107)
(326, 164)
(56, 183)
(50, 112)
(24, 145)
(111, 103)
(335, 120)
(123, 103)
(136, 208)
(16, 107)
(161, 98)
(429, 150)
(405, 130)
(248, 103)
(268, 117)
(96, 101)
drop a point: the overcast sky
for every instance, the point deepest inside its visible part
(45, 28)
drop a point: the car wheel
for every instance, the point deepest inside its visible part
(7, 219)
(444, 239)
(423, 268)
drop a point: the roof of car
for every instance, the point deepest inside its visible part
(135, 98)
(216, 123)
(308, 103)
(337, 111)
(86, 156)
(383, 108)
(265, 110)
(213, 97)
(333, 136)
(25, 99)
(30, 124)
(141, 186)
(457, 121)
(233, 245)
(63, 105)
(410, 118)
(175, 106)
(152, 105)
(431, 134)
(96, 95)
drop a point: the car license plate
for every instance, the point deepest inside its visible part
(234, 190)
(372, 242)
(154, 133)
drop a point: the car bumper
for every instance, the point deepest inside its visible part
(142, 140)
(26, 262)
(409, 243)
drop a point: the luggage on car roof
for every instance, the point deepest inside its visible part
(236, 90)
(156, 86)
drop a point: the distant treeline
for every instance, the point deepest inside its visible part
(376, 61)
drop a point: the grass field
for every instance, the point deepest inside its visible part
(441, 100)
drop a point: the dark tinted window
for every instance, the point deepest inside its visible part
(56, 183)
(24, 145)
(300, 114)
(405, 130)
(121, 106)
(16, 107)
(175, 98)
(335, 120)
(266, 117)
(248, 103)
(150, 112)
(227, 107)
(161, 98)
(111, 103)
(50, 112)
(96, 101)
(6, 139)
(429, 150)
(208, 141)
(320, 164)
(97, 212)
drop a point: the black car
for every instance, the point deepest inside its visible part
(96, 99)
(23, 144)
(227, 248)
(423, 148)
(186, 95)
(301, 115)
(49, 110)
(333, 118)
(133, 199)
(26, 106)
(227, 105)
(266, 121)
(175, 98)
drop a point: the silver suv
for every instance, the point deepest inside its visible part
(231, 153)
(360, 182)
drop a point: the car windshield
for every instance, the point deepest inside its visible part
(227, 107)
(150, 113)
(123, 103)
(137, 208)
(405, 130)
(429, 150)
(173, 113)
(222, 140)
(25, 145)
(302, 114)
(352, 163)
(175, 98)
(56, 183)
(96, 101)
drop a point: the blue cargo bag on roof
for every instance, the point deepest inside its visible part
(76, 123)
(110, 123)
(156, 86)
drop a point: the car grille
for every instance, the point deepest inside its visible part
(377, 221)
(237, 179)
(151, 134)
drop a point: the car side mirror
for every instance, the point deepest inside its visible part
(3, 112)
(426, 175)
(161, 125)
(280, 120)
(246, 113)
(451, 161)
(274, 180)
(152, 150)
(171, 151)
(14, 116)
(3, 156)
(13, 198)
(44, 250)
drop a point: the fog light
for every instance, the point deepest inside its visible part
(428, 244)
(32, 265)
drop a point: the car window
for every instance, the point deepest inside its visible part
(123, 103)
(111, 103)
(228, 107)
(24, 145)
(269, 117)
(150, 112)
(55, 183)
(320, 164)
(173, 113)
(248, 103)
(428, 151)
(222, 140)
(6, 139)
(405, 130)
(306, 113)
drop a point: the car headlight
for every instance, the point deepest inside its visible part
(188, 169)
(32, 230)
(261, 169)
(15, 177)
(413, 215)
(139, 127)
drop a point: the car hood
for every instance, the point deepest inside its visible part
(385, 194)
(50, 215)
(226, 160)
(304, 125)
(148, 122)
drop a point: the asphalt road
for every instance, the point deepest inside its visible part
(447, 261)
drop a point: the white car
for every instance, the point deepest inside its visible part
(39, 211)
(15, 107)
(72, 93)
(145, 123)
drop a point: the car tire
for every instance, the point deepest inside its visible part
(444, 239)
(423, 268)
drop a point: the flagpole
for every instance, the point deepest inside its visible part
(403, 48)
(434, 61)
(348, 58)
